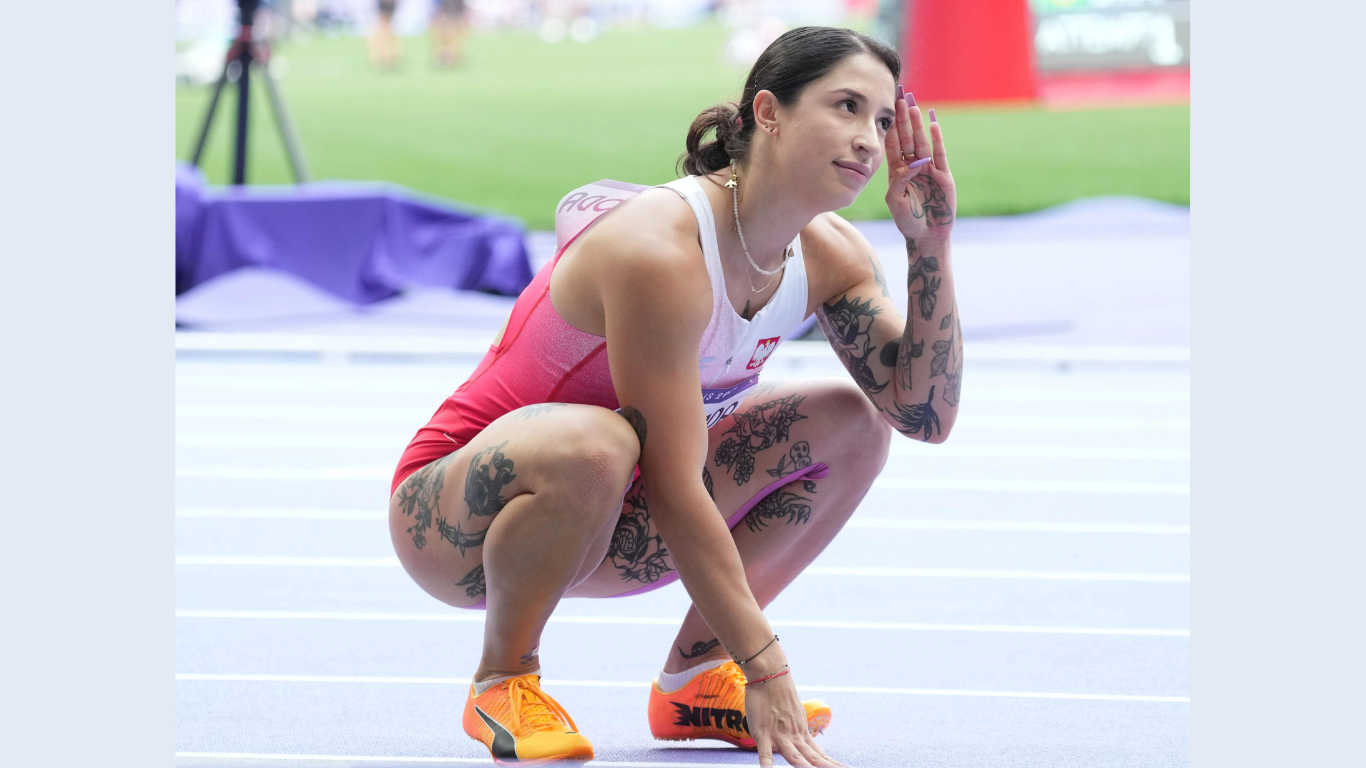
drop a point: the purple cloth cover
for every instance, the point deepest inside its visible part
(362, 242)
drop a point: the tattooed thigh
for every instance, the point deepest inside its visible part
(440, 516)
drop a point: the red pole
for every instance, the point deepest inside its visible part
(968, 50)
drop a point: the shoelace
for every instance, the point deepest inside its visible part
(541, 712)
(731, 671)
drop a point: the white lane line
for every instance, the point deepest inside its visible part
(386, 471)
(280, 513)
(1024, 486)
(1069, 452)
(309, 412)
(286, 757)
(477, 617)
(384, 680)
(302, 562)
(385, 442)
(442, 388)
(899, 448)
(357, 472)
(974, 573)
(815, 570)
(874, 523)
(381, 759)
(1013, 526)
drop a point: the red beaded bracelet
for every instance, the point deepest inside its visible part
(765, 679)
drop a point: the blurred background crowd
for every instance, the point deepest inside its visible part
(508, 104)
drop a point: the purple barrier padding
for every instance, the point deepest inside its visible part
(361, 242)
(189, 189)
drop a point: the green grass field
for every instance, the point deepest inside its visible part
(524, 122)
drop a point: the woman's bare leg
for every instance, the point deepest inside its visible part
(790, 426)
(516, 517)
(789, 528)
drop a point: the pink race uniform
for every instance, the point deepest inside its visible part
(543, 359)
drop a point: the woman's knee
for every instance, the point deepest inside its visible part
(858, 424)
(594, 454)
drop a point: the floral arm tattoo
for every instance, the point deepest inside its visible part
(924, 383)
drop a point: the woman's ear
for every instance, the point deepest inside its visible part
(766, 112)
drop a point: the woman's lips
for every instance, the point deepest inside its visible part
(863, 172)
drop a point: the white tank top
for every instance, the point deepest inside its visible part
(733, 349)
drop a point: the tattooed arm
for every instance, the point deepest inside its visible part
(911, 367)
(656, 306)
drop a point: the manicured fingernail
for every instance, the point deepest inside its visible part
(900, 92)
(910, 99)
(920, 162)
(932, 117)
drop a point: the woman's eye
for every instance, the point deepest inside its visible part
(852, 106)
(886, 124)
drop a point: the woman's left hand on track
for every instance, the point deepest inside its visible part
(920, 190)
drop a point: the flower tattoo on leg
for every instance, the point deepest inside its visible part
(637, 555)
(754, 430)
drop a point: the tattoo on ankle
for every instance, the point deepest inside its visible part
(531, 657)
(473, 582)
(484, 483)
(699, 648)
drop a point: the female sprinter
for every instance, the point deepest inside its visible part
(639, 346)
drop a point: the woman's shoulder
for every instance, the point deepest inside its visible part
(654, 231)
(831, 239)
(647, 249)
(836, 254)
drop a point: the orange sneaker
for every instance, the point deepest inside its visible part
(712, 706)
(521, 724)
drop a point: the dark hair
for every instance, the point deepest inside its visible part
(790, 63)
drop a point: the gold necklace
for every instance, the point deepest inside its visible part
(734, 184)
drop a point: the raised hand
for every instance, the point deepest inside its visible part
(920, 190)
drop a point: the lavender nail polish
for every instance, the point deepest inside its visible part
(910, 99)
(920, 162)
(900, 92)
(932, 117)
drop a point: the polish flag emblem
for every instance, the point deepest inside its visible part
(762, 351)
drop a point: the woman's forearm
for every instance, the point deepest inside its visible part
(929, 362)
(711, 570)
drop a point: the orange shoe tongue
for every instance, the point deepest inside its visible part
(532, 709)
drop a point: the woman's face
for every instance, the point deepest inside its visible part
(831, 139)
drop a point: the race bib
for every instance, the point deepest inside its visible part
(720, 403)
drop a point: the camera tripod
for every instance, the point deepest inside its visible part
(244, 55)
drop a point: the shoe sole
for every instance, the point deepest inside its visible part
(541, 761)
